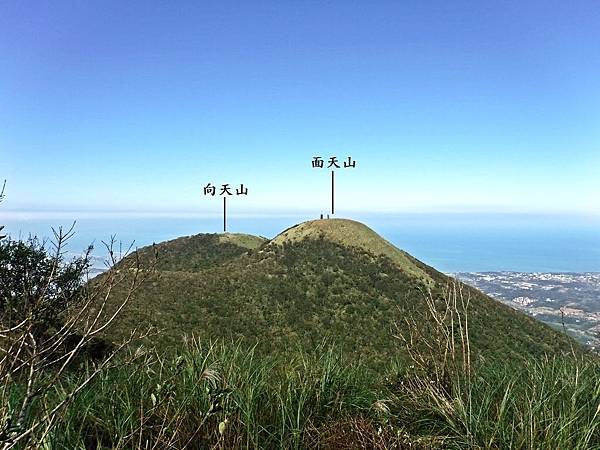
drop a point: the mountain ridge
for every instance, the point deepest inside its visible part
(326, 279)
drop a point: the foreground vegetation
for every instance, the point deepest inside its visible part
(225, 396)
(420, 383)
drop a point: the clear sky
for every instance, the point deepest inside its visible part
(446, 106)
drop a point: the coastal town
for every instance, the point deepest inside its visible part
(565, 301)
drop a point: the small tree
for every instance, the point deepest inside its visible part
(38, 285)
(50, 313)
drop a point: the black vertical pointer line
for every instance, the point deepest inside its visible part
(332, 192)
(224, 214)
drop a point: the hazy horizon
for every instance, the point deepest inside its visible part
(450, 243)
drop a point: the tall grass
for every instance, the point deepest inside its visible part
(219, 395)
(548, 404)
(216, 396)
(551, 403)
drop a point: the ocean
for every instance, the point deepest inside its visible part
(450, 243)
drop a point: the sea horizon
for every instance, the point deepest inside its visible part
(451, 243)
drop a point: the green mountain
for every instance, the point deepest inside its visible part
(325, 279)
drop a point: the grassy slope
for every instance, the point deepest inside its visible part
(194, 253)
(319, 400)
(308, 284)
(353, 234)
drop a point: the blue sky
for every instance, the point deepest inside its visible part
(446, 106)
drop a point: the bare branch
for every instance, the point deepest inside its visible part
(28, 356)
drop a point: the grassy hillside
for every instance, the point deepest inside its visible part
(350, 233)
(194, 253)
(337, 347)
(331, 279)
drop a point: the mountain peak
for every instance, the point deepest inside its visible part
(315, 280)
(355, 234)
